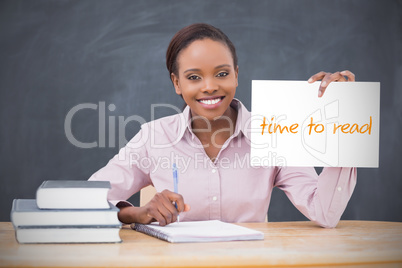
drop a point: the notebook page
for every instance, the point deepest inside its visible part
(199, 231)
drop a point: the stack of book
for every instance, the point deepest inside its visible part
(67, 212)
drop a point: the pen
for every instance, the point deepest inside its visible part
(175, 186)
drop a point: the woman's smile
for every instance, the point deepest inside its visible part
(211, 102)
(207, 78)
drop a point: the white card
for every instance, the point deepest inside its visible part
(303, 130)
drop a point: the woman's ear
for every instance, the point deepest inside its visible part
(237, 75)
(175, 81)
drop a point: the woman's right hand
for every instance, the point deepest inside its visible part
(160, 209)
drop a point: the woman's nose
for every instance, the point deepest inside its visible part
(210, 86)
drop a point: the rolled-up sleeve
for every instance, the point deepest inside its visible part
(321, 198)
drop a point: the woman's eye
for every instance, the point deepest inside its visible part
(223, 74)
(193, 77)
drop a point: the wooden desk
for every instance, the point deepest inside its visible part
(354, 243)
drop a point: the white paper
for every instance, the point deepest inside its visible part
(200, 231)
(328, 141)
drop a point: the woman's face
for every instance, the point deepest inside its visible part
(206, 79)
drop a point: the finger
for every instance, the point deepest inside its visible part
(167, 209)
(186, 207)
(327, 80)
(176, 198)
(167, 214)
(316, 77)
(161, 209)
(162, 215)
(337, 77)
(351, 76)
(154, 213)
(324, 83)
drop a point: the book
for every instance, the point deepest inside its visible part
(199, 231)
(68, 234)
(25, 212)
(65, 194)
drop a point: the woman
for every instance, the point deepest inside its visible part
(210, 145)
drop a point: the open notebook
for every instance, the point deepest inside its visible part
(199, 231)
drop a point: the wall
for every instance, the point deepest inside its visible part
(56, 55)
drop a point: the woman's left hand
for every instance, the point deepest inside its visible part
(327, 78)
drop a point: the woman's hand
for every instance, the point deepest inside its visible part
(160, 208)
(330, 77)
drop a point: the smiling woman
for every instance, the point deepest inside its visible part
(207, 76)
(202, 62)
(213, 135)
(207, 81)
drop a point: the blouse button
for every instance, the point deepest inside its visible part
(213, 170)
(339, 188)
(214, 198)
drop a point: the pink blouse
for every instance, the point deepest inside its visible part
(228, 189)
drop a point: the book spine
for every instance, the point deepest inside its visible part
(152, 232)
